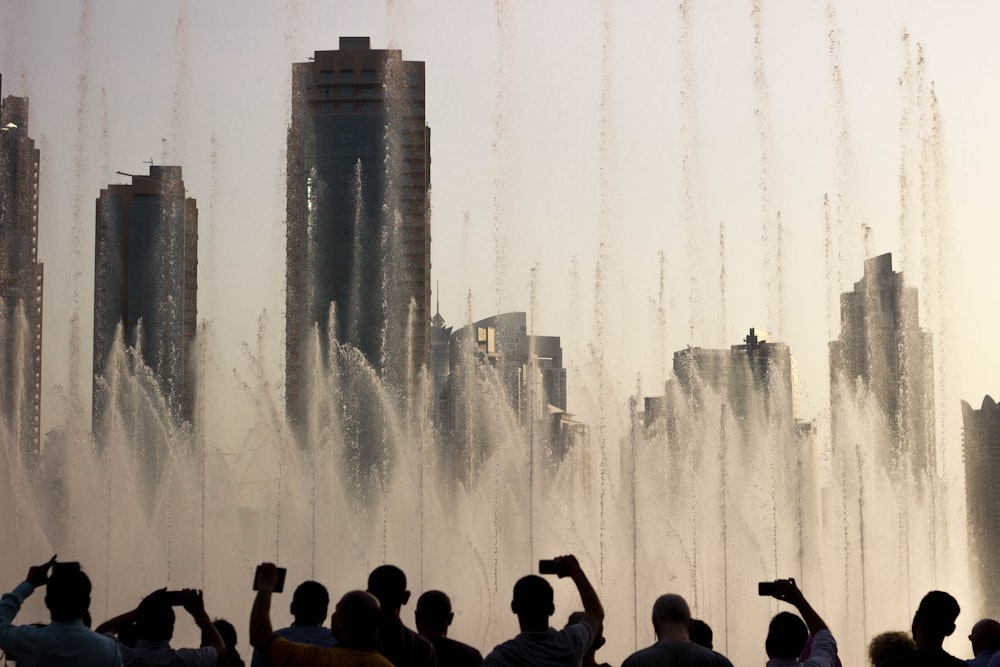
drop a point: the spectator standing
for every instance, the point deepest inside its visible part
(433, 617)
(538, 644)
(65, 641)
(674, 648)
(310, 604)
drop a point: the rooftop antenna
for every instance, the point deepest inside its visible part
(149, 162)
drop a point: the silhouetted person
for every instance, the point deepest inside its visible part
(310, 604)
(230, 639)
(787, 634)
(985, 639)
(538, 644)
(64, 641)
(354, 623)
(400, 645)
(153, 625)
(933, 621)
(433, 616)
(674, 648)
(590, 657)
(701, 633)
(889, 645)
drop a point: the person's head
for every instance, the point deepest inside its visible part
(985, 636)
(227, 632)
(786, 636)
(532, 602)
(355, 620)
(310, 603)
(388, 584)
(671, 616)
(935, 619)
(434, 614)
(67, 594)
(154, 619)
(889, 645)
(701, 633)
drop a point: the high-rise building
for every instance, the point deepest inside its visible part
(981, 450)
(756, 372)
(358, 219)
(882, 346)
(20, 278)
(146, 281)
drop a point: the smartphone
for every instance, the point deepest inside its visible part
(66, 567)
(547, 567)
(174, 598)
(768, 588)
(279, 585)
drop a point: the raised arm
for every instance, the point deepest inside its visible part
(260, 616)
(593, 610)
(194, 604)
(790, 593)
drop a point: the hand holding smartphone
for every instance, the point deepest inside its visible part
(279, 584)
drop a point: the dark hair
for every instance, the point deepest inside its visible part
(936, 615)
(67, 594)
(154, 619)
(532, 594)
(889, 645)
(388, 584)
(701, 633)
(786, 636)
(310, 603)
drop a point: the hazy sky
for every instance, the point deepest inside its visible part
(566, 170)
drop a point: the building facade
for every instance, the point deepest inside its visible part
(146, 282)
(883, 349)
(358, 217)
(981, 451)
(20, 278)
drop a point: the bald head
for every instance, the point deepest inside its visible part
(985, 636)
(355, 620)
(671, 616)
(434, 614)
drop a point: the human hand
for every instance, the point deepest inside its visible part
(787, 590)
(194, 602)
(38, 575)
(567, 566)
(267, 579)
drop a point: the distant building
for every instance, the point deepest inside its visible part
(981, 450)
(20, 278)
(531, 373)
(358, 214)
(756, 372)
(146, 281)
(882, 345)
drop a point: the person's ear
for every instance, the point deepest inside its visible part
(406, 596)
(951, 629)
(451, 617)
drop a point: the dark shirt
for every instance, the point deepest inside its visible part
(676, 654)
(926, 658)
(451, 653)
(403, 647)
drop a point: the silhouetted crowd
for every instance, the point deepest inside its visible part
(366, 630)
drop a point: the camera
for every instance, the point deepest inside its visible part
(548, 567)
(767, 588)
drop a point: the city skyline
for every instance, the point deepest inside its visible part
(480, 234)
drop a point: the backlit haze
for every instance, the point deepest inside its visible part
(568, 178)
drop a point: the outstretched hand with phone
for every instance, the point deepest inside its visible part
(38, 575)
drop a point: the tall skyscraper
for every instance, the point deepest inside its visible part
(20, 278)
(981, 450)
(358, 219)
(882, 346)
(146, 280)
